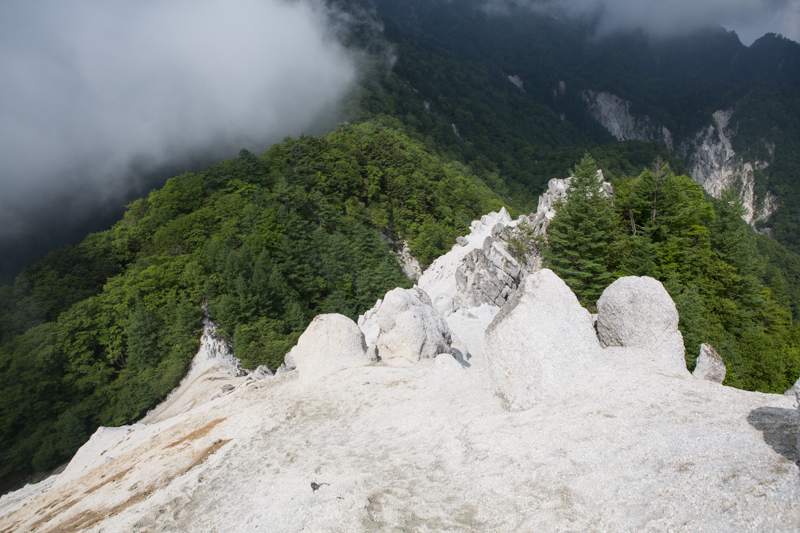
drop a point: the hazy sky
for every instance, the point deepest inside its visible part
(749, 18)
(90, 87)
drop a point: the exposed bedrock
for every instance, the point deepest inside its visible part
(541, 343)
(330, 343)
(637, 312)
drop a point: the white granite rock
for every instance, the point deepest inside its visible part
(330, 343)
(541, 343)
(637, 312)
(709, 365)
(410, 328)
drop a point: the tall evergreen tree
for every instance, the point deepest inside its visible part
(579, 236)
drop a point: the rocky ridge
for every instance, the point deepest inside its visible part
(441, 410)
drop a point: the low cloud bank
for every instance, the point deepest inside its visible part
(749, 18)
(95, 94)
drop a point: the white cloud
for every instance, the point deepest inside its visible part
(89, 88)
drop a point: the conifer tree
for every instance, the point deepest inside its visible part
(579, 236)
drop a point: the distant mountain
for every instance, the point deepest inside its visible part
(517, 86)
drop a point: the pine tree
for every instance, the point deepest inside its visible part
(579, 236)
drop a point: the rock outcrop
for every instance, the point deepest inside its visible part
(541, 344)
(615, 115)
(331, 342)
(410, 265)
(793, 391)
(714, 164)
(488, 275)
(214, 351)
(410, 328)
(709, 365)
(478, 269)
(636, 312)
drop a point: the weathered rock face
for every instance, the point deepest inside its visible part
(636, 312)
(330, 343)
(541, 343)
(215, 351)
(714, 165)
(614, 114)
(489, 274)
(794, 390)
(712, 162)
(410, 328)
(411, 267)
(478, 269)
(709, 365)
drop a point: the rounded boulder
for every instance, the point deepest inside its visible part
(330, 343)
(410, 327)
(637, 312)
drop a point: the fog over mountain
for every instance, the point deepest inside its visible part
(749, 18)
(94, 95)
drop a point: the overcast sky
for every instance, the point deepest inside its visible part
(89, 88)
(749, 18)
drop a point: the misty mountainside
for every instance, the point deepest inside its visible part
(516, 85)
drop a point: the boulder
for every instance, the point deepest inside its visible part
(709, 365)
(330, 343)
(793, 391)
(368, 324)
(288, 360)
(541, 344)
(445, 305)
(261, 372)
(636, 312)
(410, 327)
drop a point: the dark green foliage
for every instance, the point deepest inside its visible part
(452, 63)
(579, 237)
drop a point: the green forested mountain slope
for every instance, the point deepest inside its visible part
(266, 242)
(663, 225)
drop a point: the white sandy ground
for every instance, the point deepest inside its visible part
(430, 447)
